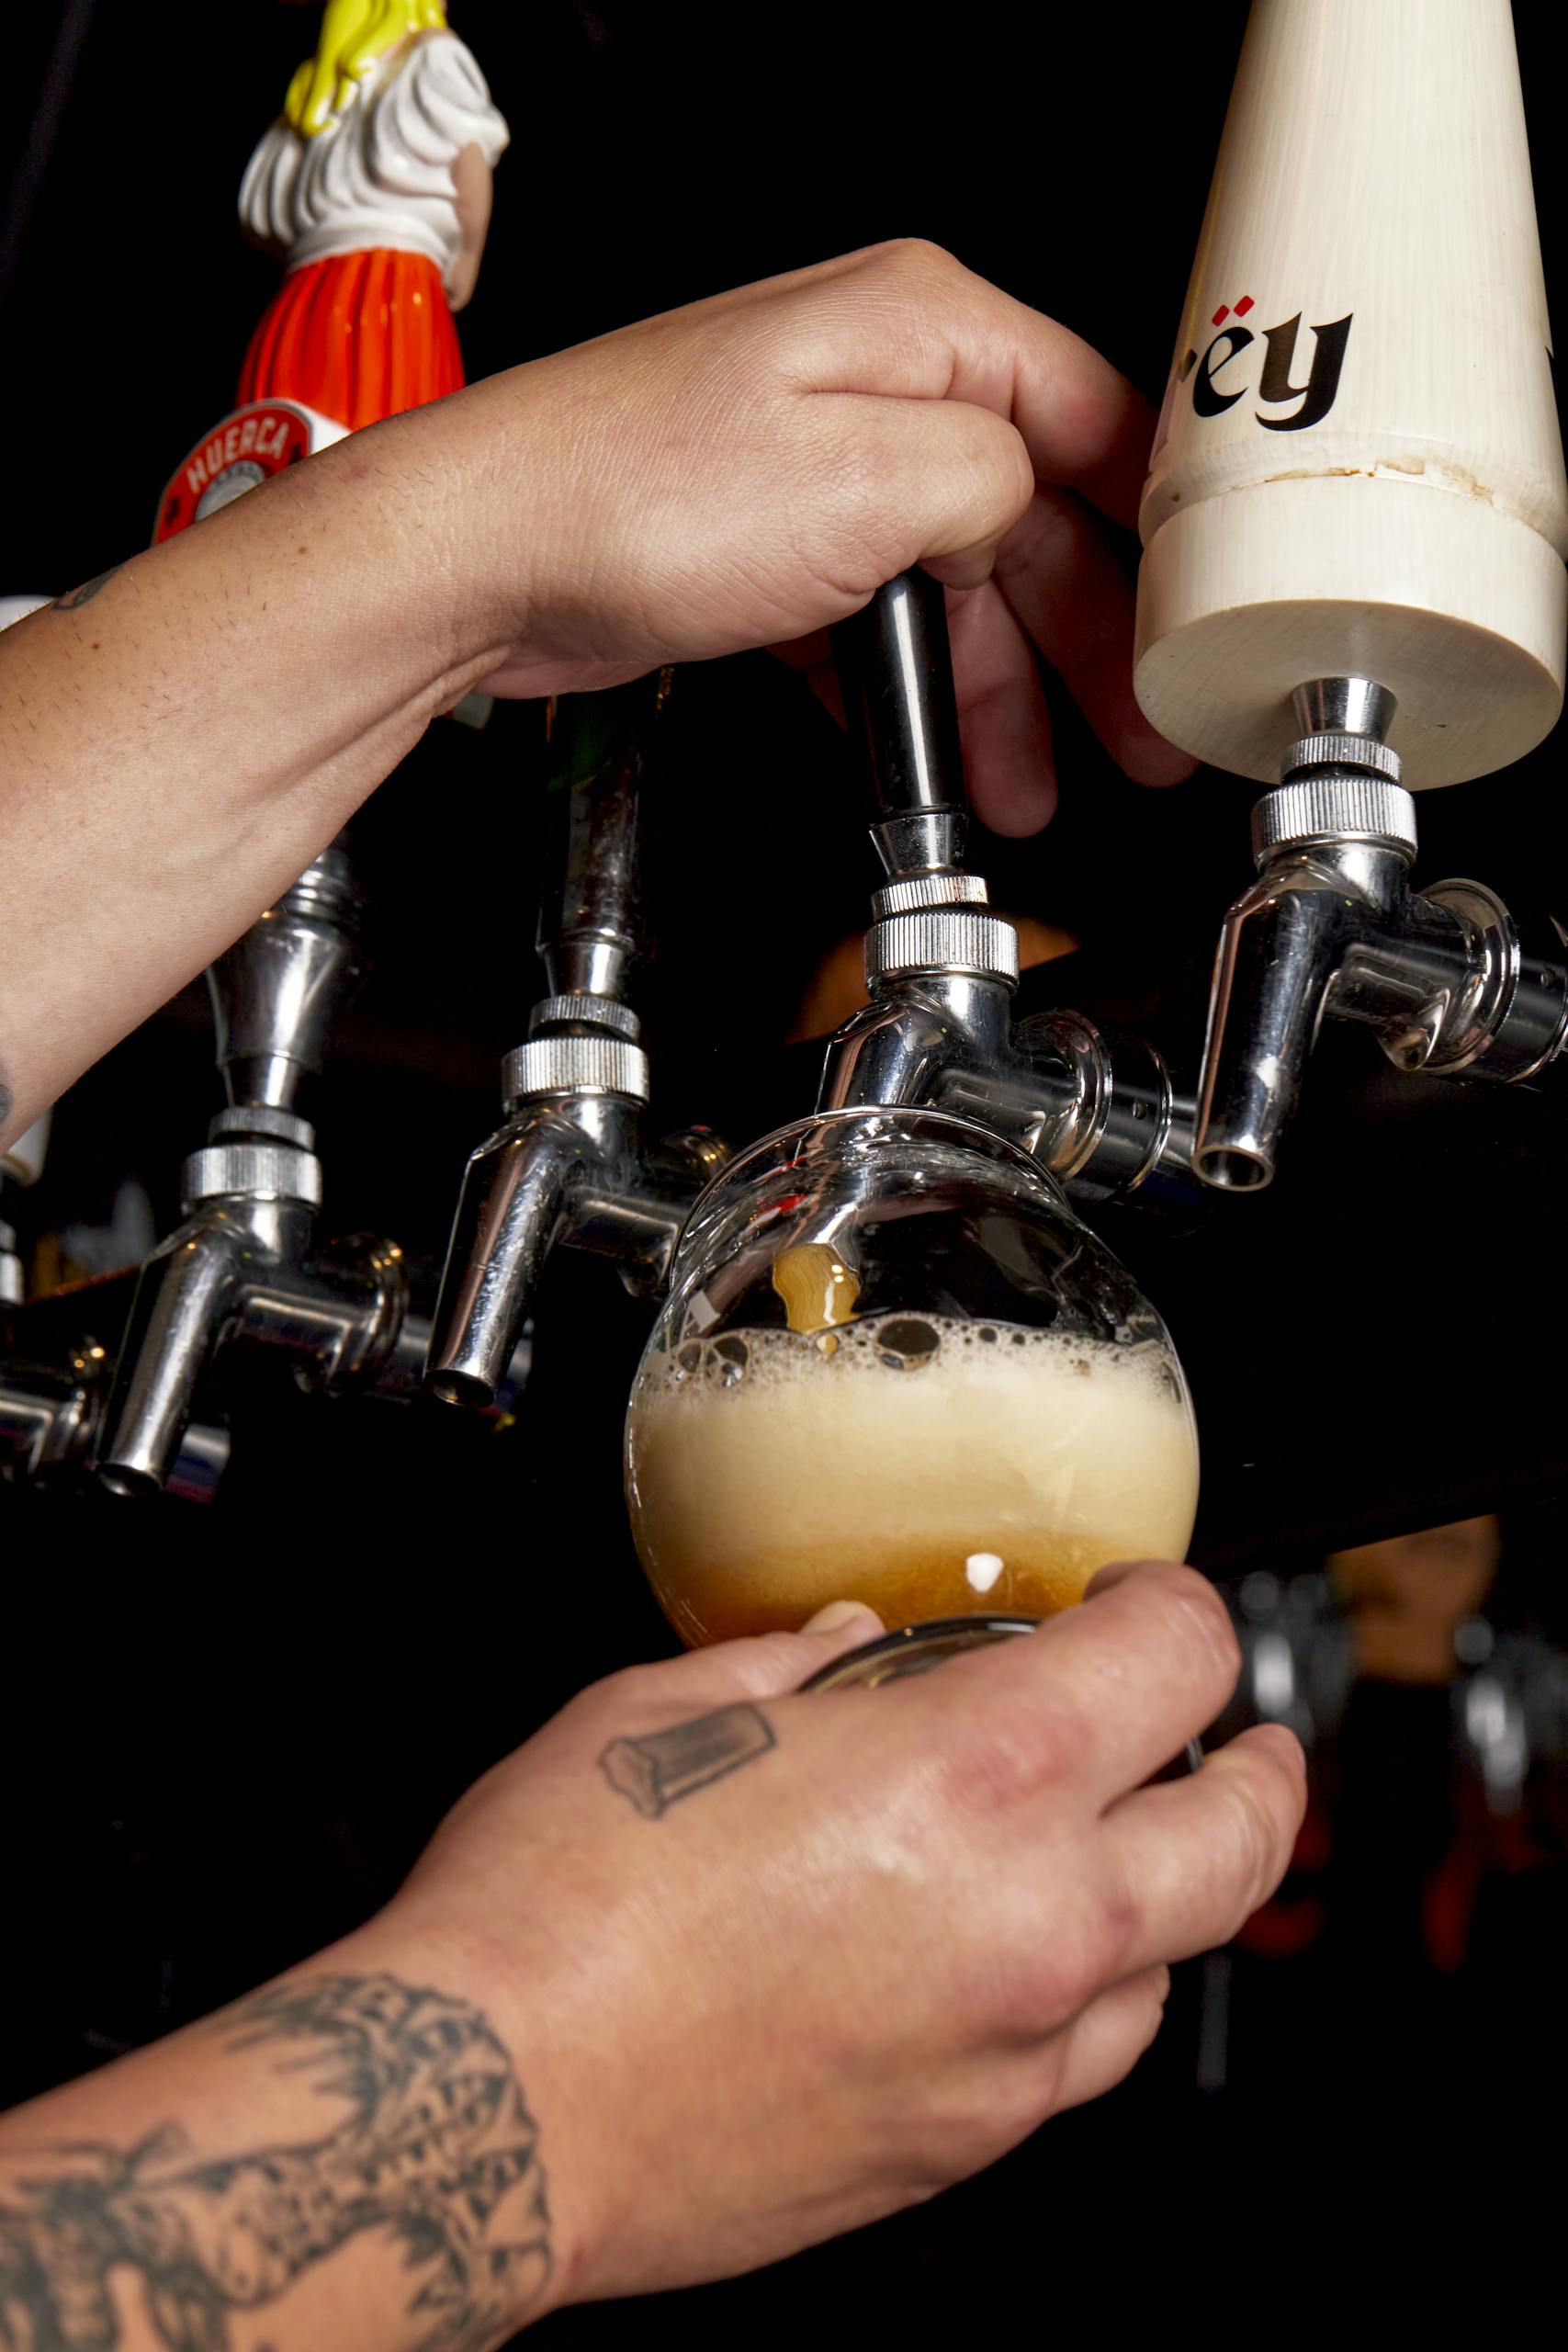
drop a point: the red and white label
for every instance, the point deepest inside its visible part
(245, 450)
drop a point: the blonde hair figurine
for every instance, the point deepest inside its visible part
(354, 35)
(375, 187)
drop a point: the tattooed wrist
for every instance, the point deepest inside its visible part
(74, 602)
(438, 2155)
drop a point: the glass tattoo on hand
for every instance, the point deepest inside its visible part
(657, 1770)
(439, 2150)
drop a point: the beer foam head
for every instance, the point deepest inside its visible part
(906, 1435)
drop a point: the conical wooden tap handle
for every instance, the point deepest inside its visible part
(1357, 467)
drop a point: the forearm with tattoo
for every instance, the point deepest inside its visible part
(438, 2152)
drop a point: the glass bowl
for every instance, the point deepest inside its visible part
(894, 1366)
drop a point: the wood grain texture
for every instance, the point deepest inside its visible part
(1374, 169)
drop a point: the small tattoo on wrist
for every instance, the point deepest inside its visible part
(657, 1770)
(85, 594)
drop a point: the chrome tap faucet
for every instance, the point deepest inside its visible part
(569, 1167)
(50, 1418)
(1333, 929)
(243, 1276)
(1101, 1112)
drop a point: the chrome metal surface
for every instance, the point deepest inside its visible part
(255, 1119)
(510, 1211)
(1338, 806)
(574, 1065)
(199, 1464)
(278, 991)
(50, 1417)
(569, 1167)
(243, 1285)
(1344, 706)
(401, 1378)
(1517, 1022)
(949, 888)
(938, 1033)
(1121, 1128)
(46, 1422)
(938, 939)
(1333, 929)
(259, 1171)
(240, 1277)
(1100, 1112)
(602, 1011)
(1363, 752)
(929, 841)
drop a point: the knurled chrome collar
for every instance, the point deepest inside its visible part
(606, 1011)
(252, 1171)
(917, 890)
(255, 1120)
(1337, 807)
(942, 939)
(575, 1066)
(1340, 751)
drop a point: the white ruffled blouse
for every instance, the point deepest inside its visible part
(381, 175)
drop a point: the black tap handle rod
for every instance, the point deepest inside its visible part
(895, 670)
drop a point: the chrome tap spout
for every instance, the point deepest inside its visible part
(189, 1288)
(240, 1277)
(569, 1168)
(1333, 929)
(509, 1213)
(567, 1172)
(1284, 946)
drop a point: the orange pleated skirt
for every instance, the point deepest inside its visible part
(358, 336)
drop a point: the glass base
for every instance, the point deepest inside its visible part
(914, 1650)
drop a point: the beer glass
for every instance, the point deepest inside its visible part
(894, 1367)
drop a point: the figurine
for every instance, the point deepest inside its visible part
(374, 186)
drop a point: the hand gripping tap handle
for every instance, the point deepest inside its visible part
(896, 672)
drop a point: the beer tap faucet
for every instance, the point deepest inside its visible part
(1101, 1113)
(242, 1277)
(569, 1167)
(1333, 929)
(1348, 519)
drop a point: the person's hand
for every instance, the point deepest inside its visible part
(741, 473)
(770, 1965)
(747, 470)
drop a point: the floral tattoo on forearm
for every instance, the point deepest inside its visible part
(439, 2150)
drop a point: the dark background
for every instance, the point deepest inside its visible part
(228, 1730)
